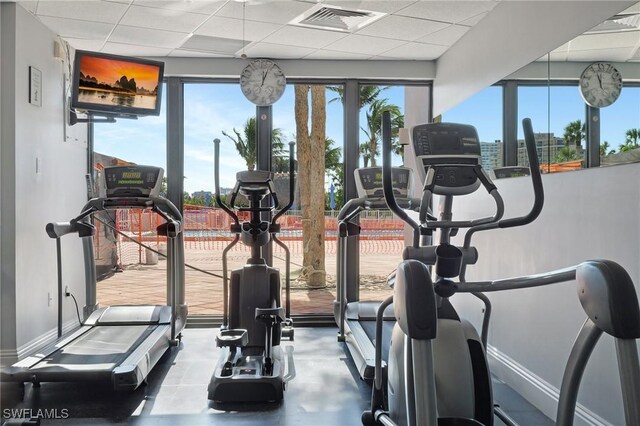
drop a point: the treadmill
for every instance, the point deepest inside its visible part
(357, 319)
(117, 344)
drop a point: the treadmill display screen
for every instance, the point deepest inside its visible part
(133, 181)
(369, 182)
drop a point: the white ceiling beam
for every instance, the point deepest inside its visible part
(512, 35)
(329, 69)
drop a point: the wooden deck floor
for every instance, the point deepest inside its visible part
(146, 284)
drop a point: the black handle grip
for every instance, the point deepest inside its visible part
(216, 176)
(536, 179)
(59, 229)
(292, 184)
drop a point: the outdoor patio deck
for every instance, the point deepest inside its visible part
(143, 284)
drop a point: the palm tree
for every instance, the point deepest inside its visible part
(574, 133)
(245, 142)
(332, 162)
(566, 154)
(368, 94)
(604, 149)
(632, 140)
(373, 130)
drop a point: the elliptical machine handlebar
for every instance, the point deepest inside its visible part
(216, 175)
(292, 185)
(538, 190)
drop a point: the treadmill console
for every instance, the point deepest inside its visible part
(132, 181)
(369, 182)
(451, 148)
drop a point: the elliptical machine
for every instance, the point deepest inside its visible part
(251, 367)
(437, 369)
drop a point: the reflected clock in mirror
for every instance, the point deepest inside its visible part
(600, 84)
(262, 82)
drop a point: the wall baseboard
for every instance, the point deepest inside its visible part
(541, 394)
(45, 339)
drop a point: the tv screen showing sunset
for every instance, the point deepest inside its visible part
(118, 83)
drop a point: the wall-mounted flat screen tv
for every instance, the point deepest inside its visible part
(115, 84)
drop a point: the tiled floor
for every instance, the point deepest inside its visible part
(325, 391)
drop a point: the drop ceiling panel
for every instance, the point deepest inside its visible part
(96, 11)
(416, 51)
(401, 28)
(445, 37)
(185, 53)
(147, 37)
(473, 21)
(371, 5)
(134, 50)
(77, 29)
(84, 44)
(277, 12)
(332, 54)
(621, 54)
(226, 46)
(603, 41)
(364, 44)
(149, 17)
(447, 11)
(218, 26)
(304, 37)
(276, 51)
(199, 6)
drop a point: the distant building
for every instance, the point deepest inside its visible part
(491, 153)
(548, 145)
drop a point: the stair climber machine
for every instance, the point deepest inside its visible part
(437, 369)
(116, 344)
(251, 367)
(357, 319)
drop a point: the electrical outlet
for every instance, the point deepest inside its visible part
(66, 291)
(49, 298)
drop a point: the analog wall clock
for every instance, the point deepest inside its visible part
(262, 82)
(600, 84)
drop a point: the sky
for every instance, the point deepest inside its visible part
(211, 108)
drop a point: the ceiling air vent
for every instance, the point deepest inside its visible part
(616, 24)
(336, 18)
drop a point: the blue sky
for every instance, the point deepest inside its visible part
(211, 108)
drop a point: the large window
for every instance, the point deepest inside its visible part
(127, 272)
(557, 115)
(318, 193)
(620, 129)
(484, 111)
(212, 111)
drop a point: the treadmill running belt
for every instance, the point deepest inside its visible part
(369, 327)
(101, 348)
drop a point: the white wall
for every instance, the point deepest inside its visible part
(54, 192)
(588, 214)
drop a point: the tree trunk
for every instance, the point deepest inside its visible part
(310, 155)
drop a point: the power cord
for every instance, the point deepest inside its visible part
(67, 293)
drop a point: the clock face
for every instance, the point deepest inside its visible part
(262, 82)
(600, 84)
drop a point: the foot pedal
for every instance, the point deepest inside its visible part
(234, 338)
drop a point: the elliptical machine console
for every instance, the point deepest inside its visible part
(251, 367)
